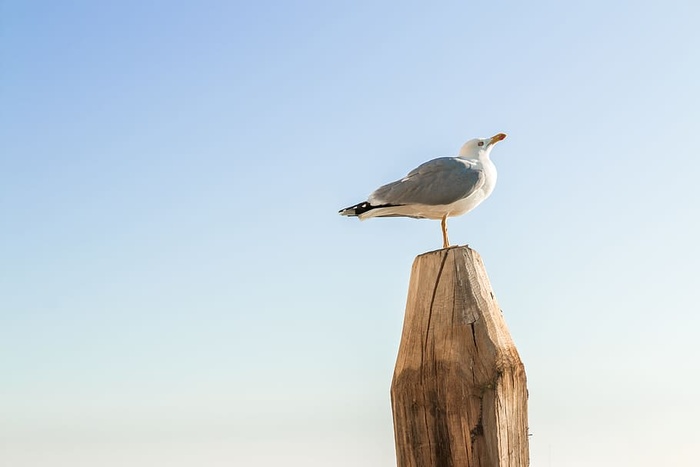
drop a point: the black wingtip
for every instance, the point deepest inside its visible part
(361, 208)
(356, 210)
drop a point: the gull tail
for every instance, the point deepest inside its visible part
(356, 210)
(364, 210)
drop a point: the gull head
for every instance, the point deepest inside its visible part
(480, 147)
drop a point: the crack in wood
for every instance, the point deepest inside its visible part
(430, 310)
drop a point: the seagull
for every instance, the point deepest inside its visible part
(437, 189)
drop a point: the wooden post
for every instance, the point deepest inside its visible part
(459, 394)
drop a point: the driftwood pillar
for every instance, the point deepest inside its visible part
(458, 395)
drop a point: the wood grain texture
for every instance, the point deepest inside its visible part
(459, 394)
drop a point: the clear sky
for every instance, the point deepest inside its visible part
(177, 289)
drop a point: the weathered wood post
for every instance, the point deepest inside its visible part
(459, 394)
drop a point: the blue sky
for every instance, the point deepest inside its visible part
(176, 287)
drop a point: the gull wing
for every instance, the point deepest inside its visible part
(440, 181)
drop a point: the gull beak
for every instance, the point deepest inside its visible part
(499, 137)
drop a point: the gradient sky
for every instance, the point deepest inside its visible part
(177, 289)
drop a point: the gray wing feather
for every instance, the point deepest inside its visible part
(439, 181)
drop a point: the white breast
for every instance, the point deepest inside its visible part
(467, 204)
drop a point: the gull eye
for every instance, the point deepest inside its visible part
(481, 143)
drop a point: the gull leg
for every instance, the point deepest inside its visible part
(445, 240)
